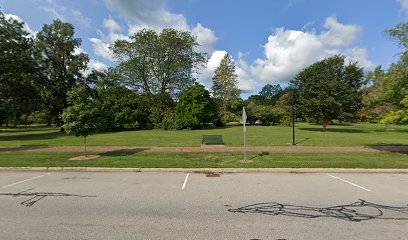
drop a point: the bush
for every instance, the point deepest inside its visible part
(268, 115)
(170, 121)
(195, 108)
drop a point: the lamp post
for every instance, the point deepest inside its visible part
(293, 117)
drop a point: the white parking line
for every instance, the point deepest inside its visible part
(355, 185)
(185, 181)
(24, 180)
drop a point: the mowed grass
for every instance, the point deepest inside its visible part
(209, 160)
(359, 134)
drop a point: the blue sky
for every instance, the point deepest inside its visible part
(270, 41)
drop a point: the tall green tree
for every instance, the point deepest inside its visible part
(388, 88)
(158, 64)
(122, 107)
(195, 108)
(18, 72)
(225, 85)
(329, 89)
(268, 95)
(84, 116)
(62, 67)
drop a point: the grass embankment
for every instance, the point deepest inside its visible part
(360, 134)
(209, 160)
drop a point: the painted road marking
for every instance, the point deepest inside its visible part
(24, 180)
(185, 181)
(355, 185)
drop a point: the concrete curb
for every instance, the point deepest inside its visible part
(205, 170)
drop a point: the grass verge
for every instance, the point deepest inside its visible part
(358, 134)
(382, 160)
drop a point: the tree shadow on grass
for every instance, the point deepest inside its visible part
(31, 137)
(303, 140)
(396, 148)
(259, 155)
(23, 148)
(383, 130)
(355, 212)
(347, 130)
(123, 152)
(28, 129)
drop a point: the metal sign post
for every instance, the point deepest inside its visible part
(244, 117)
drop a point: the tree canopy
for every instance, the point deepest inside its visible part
(61, 66)
(19, 76)
(329, 89)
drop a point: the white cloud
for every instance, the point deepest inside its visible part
(94, 65)
(205, 37)
(112, 25)
(58, 11)
(79, 50)
(338, 34)
(52, 7)
(359, 55)
(101, 48)
(152, 13)
(25, 26)
(81, 18)
(404, 4)
(207, 73)
(289, 51)
(245, 82)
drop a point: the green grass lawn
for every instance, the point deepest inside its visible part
(209, 160)
(359, 134)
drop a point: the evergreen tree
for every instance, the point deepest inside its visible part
(225, 86)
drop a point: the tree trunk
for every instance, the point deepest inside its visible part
(85, 145)
(325, 124)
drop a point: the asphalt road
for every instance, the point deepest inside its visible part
(65, 205)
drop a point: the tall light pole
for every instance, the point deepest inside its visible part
(293, 117)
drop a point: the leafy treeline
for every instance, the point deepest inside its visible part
(386, 97)
(153, 85)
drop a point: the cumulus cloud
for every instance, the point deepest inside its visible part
(52, 7)
(25, 26)
(338, 34)
(205, 38)
(101, 49)
(94, 65)
(404, 4)
(111, 25)
(359, 55)
(289, 51)
(245, 82)
(207, 73)
(152, 13)
(57, 10)
(81, 18)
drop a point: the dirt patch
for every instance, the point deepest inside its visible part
(84, 158)
(245, 161)
(209, 157)
(209, 174)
